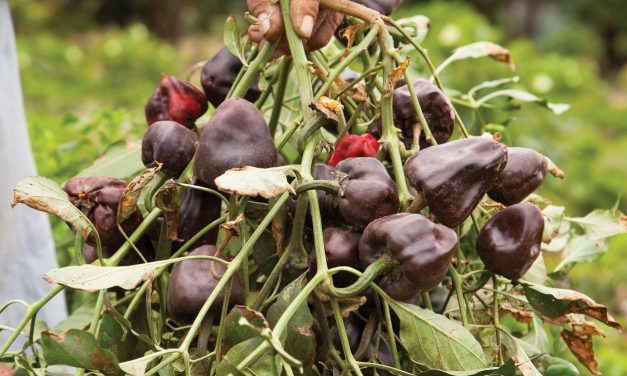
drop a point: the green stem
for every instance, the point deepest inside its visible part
(253, 53)
(495, 313)
(141, 229)
(459, 290)
(277, 106)
(205, 189)
(390, 330)
(382, 264)
(426, 299)
(252, 72)
(339, 322)
(352, 55)
(329, 186)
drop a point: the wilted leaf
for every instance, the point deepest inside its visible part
(348, 33)
(437, 342)
(236, 332)
(77, 348)
(329, 107)
(166, 199)
(299, 337)
(557, 108)
(45, 195)
(231, 38)
(579, 341)
(398, 72)
(482, 49)
(253, 181)
(554, 303)
(122, 160)
(130, 195)
(518, 311)
(598, 226)
(93, 277)
(520, 357)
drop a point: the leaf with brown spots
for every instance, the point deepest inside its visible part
(555, 303)
(166, 199)
(78, 348)
(130, 195)
(518, 312)
(579, 341)
(45, 195)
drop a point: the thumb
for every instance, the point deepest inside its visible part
(303, 14)
(269, 25)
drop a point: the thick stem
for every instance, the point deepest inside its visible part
(339, 322)
(252, 72)
(381, 265)
(390, 330)
(329, 186)
(495, 313)
(278, 96)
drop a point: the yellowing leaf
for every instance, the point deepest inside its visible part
(253, 181)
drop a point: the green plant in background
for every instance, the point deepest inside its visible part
(62, 76)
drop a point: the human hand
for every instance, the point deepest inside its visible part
(314, 25)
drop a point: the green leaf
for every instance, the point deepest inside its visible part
(598, 226)
(263, 365)
(94, 277)
(518, 354)
(122, 160)
(556, 303)
(137, 367)
(45, 195)
(299, 338)
(235, 332)
(231, 38)
(537, 272)
(437, 342)
(478, 50)
(537, 337)
(507, 369)
(557, 108)
(79, 319)
(78, 348)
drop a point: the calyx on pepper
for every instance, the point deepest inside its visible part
(192, 282)
(353, 145)
(366, 192)
(454, 176)
(169, 143)
(524, 173)
(198, 209)
(436, 108)
(236, 136)
(219, 73)
(176, 100)
(420, 249)
(98, 198)
(509, 242)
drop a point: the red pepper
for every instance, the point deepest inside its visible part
(353, 145)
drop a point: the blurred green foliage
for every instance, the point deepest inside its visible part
(85, 91)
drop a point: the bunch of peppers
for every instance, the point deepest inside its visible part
(389, 206)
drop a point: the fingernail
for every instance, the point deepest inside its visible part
(306, 26)
(265, 22)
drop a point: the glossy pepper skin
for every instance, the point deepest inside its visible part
(422, 249)
(435, 106)
(454, 176)
(236, 136)
(219, 73)
(176, 100)
(169, 143)
(510, 241)
(192, 282)
(341, 247)
(368, 193)
(197, 210)
(143, 244)
(524, 173)
(353, 145)
(98, 198)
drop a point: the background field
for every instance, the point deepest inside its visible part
(87, 68)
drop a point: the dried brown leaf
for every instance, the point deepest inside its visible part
(579, 341)
(329, 107)
(398, 72)
(166, 199)
(130, 196)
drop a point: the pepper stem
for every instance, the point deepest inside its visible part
(330, 186)
(382, 264)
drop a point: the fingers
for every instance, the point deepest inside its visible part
(303, 14)
(328, 21)
(269, 25)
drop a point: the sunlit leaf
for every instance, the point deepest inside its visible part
(231, 38)
(121, 160)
